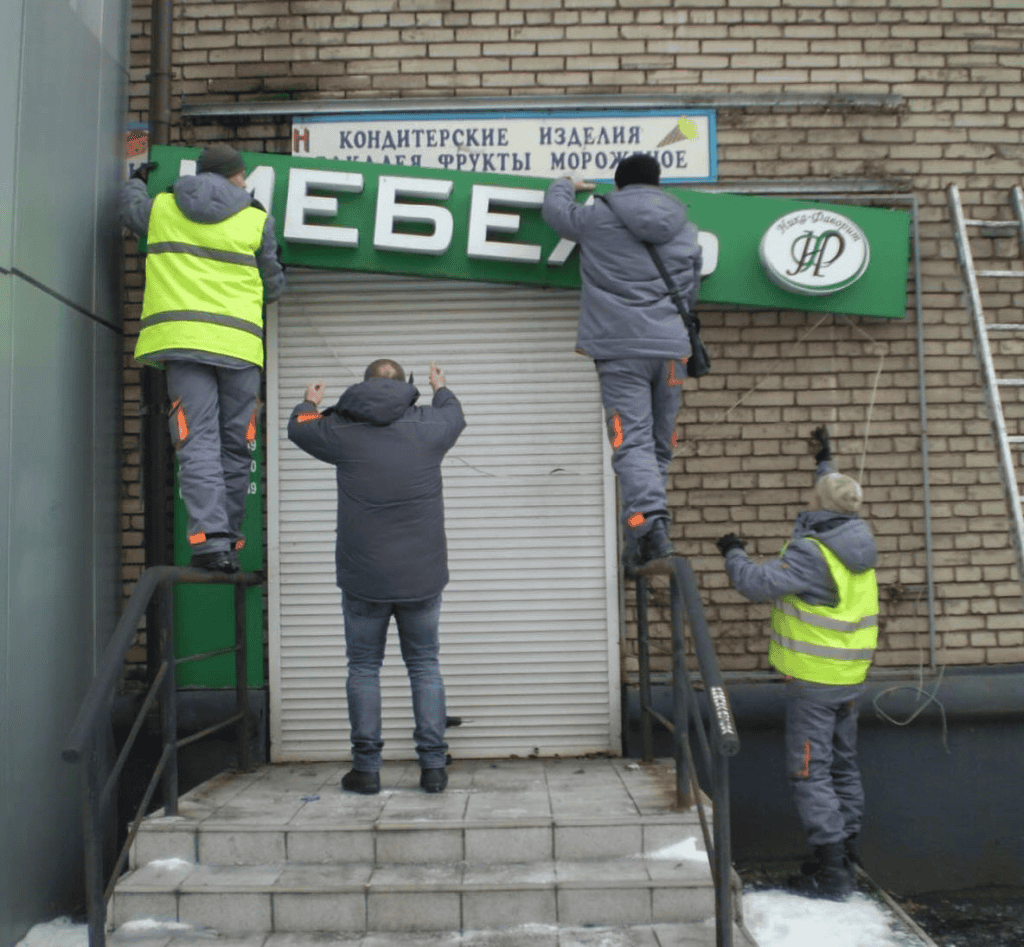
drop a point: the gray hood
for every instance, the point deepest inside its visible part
(378, 401)
(649, 213)
(845, 534)
(209, 198)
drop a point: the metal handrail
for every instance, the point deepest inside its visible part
(724, 740)
(84, 740)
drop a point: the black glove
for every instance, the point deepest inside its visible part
(730, 541)
(821, 446)
(142, 171)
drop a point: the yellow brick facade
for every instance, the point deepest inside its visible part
(907, 97)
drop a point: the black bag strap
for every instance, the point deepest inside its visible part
(673, 290)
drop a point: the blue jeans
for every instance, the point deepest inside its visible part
(366, 627)
(641, 400)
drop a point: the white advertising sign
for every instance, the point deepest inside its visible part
(585, 144)
(814, 252)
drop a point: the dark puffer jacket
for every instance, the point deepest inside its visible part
(625, 308)
(391, 542)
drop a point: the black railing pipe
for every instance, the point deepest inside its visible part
(112, 661)
(153, 596)
(715, 750)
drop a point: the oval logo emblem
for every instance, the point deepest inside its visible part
(814, 252)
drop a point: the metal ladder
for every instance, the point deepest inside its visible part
(988, 349)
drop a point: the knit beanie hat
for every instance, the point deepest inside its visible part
(839, 493)
(638, 168)
(220, 159)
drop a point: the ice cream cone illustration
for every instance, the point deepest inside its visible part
(685, 130)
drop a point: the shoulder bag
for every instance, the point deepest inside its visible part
(699, 362)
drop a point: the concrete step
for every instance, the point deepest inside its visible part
(426, 842)
(512, 811)
(360, 898)
(564, 844)
(525, 935)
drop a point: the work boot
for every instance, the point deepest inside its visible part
(433, 780)
(831, 878)
(223, 561)
(656, 550)
(850, 845)
(357, 780)
(631, 558)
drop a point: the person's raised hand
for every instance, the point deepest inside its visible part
(729, 541)
(142, 171)
(820, 444)
(315, 393)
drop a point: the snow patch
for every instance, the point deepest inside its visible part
(62, 932)
(686, 850)
(169, 864)
(780, 919)
(146, 928)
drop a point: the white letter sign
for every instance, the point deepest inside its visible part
(482, 221)
(301, 202)
(390, 210)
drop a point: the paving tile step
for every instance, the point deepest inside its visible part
(443, 897)
(226, 842)
(694, 934)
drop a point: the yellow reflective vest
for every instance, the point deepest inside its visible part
(822, 644)
(203, 285)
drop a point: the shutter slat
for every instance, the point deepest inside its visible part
(528, 624)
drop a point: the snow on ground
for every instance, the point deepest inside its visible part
(59, 933)
(780, 919)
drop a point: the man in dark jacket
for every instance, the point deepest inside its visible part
(631, 328)
(824, 623)
(391, 554)
(211, 261)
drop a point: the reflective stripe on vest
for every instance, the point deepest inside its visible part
(822, 644)
(203, 286)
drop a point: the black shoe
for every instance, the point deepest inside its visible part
(827, 874)
(433, 780)
(631, 559)
(656, 550)
(226, 561)
(850, 846)
(357, 780)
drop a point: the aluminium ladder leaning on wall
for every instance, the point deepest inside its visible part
(997, 346)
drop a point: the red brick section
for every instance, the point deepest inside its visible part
(742, 465)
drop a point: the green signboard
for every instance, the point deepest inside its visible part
(488, 227)
(204, 615)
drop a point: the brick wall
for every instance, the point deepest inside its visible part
(955, 76)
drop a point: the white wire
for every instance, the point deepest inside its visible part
(919, 689)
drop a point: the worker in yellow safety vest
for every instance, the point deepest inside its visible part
(211, 261)
(824, 629)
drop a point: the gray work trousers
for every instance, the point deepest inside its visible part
(821, 759)
(641, 400)
(213, 428)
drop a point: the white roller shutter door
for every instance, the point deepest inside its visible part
(529, 625)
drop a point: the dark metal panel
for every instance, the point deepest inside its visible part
(106, 476)
(109, 175)
(55, 189)
(115, 34)
(9, 930)
(10, 66)
(49, 651)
